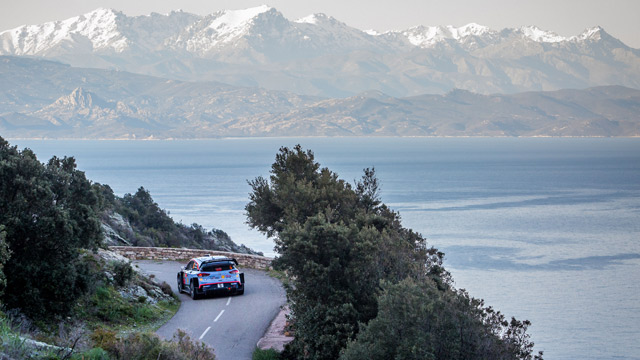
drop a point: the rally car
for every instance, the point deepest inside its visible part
(210, 275)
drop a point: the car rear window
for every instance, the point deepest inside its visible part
(216, 267)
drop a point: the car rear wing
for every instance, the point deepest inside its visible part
(233, 260)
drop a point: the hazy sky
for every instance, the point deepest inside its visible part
(621, 18)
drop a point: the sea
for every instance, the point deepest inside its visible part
(544, 229)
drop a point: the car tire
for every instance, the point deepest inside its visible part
(179, 284)
(240, 292)
(193, 292)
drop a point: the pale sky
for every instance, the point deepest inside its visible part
(620, 18)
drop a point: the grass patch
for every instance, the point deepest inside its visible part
(15, 346)
(107, 308)
(93, 354)
(284, 278)
(10, 342)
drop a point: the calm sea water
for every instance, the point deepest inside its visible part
(542, 229)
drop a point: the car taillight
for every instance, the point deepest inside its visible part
(234, 271)
(203, 274)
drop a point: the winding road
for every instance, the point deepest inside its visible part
(232, 325)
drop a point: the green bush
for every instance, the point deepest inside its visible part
(269, 354)
(143, 314)
(122, 272)
(437, 324)
(166, 288)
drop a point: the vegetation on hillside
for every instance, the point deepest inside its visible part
(363, 286)
(136, 219)
(49, 213)
(56, 283)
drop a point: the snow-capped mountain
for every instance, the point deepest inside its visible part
(319, 55)
(228, 33)
(100, 31)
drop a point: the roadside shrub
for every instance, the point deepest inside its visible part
(89, 272)
(122, 272)
(191, 349)
(148, 346)
(269, 354)
(104, 339)
(166, 288)
(139, 346)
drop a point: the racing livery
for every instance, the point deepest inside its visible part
(209, 275)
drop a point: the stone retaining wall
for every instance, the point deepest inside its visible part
(157, 253)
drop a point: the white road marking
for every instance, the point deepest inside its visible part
(205, 332)
(218, 317)
(229, 301)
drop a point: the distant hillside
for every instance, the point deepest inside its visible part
(320, 55)
(44, 99)
(41, 98)
(601, 111)
(136, 220)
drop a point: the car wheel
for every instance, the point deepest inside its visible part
(179, 284)
(192, 291)
(240, 292)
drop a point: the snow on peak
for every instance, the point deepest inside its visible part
(315, 19)
(100, 26)
(471, 29)
(236, 18)
(227, 26)
(310, 19)
(425, 36)
(591, 33)
(320, 19)
(538, 35)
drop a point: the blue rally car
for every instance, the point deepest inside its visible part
(211, 274)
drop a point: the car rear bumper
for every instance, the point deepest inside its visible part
(217, 288)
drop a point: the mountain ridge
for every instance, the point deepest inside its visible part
(319, 55)
(44, 99)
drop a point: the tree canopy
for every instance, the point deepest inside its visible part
(348, 256)
(49, 212)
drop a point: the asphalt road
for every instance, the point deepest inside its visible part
(232, 325)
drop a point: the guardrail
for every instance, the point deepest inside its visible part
(179, 254)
